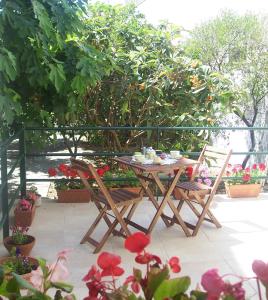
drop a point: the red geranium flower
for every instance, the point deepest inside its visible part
(109, 264)
(254, 167)
(145, 258)
(100, 172)
(246, 177)
(52, 172)
(189, 172)
(174, 264)
(106, 168)
(93, 274)
(73, 173)
(63, 168)
(262, 167)
(134, 284)
(137, 242)
(247, 170)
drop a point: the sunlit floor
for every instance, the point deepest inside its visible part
(231, 249)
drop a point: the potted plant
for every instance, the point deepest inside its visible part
(33, 194)
(20, 240)
(125, 181)
(44, 282)
(18, 264)
(24, 211)
(244, 182)
(71, 191)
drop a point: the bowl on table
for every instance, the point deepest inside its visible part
(175, 154)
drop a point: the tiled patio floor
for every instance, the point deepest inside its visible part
(231, 249)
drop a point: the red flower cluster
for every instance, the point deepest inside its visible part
(69, 172)
(109, 266)
(246, 175)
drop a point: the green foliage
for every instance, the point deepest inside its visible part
(42, 53)
(125, 178)
(68, 63)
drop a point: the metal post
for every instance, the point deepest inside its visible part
(22, 163)
(4, 193)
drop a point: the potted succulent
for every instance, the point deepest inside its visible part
(126, 180)
(244, 182)
(24, 211)
(20, 240)
(33, 194)
(72, 191)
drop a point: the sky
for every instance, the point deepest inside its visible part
(188, 13)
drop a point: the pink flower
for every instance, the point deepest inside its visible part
(59, 271)
(37, 278)
(212, 283)
(246, 177)
(262, 166)
(64, 253)
(254, 167)
(260, 268)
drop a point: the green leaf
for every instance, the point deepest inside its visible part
(13, 286)
(63, 286)
(172, 287)
(199, 295)
(154, 280)
(23, 283)
(57, 75)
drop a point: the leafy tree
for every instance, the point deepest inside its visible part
(46, 61)
(152, 82)
(237, 46)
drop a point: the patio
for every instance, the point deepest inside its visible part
(231, 249)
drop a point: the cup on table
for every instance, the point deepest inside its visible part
(139, 158)
(175, 154)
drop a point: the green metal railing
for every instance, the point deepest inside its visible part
(7, 202)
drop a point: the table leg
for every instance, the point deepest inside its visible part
(167, 200)
(149, 193)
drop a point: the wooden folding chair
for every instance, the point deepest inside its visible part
(110, 204)
(193, 192)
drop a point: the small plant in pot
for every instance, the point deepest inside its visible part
(32, 193)
(25, 211)
(20, 240)
(18, 264)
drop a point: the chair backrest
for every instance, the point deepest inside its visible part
(81, 167)
(216, 159)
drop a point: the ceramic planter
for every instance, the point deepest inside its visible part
(26, 276)
(243, 190)
(74, 196)
(25, 249)
(24, 218)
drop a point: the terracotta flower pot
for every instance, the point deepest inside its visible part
(243, 190)
(24, 218)
(26, 276)
(25, 249)
(74, 196)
